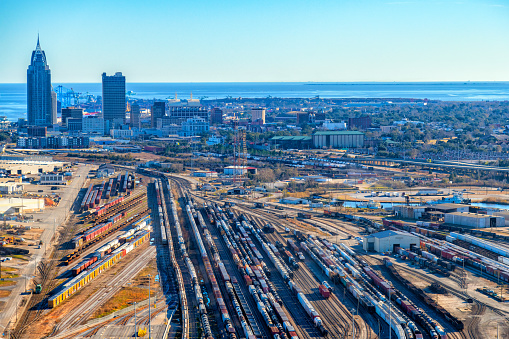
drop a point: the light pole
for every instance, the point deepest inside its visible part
(135, 331)
(149, 317)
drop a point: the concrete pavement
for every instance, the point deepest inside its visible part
(51, 219)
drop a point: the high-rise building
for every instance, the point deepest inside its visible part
(216, 116)
(158, 112)
(135, 116)
(113, 98)
(71, 112)
(258, 114)
(180, 114)
(41, 104)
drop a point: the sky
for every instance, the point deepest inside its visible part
(258, 41)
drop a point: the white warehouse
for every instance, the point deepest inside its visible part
(474, 220)
(388, 240)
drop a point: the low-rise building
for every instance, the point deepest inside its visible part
(205, 174)
(388, 240)
(194, 126)
(239, 170)
(338, 139)
(292, 142)
(105, 170)
(11, 187)
(93, 125)
(474, 220)
(20, 205)
(52, 179)
(409, 212)
(293, 201)
(121, 133)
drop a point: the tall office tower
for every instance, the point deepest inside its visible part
(135, 116)
(114, 103)
(158, 112)
(258, 114)
(41, 110)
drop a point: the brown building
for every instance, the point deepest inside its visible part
(302, 118)
(216, 116)
(36, 131)
(360, 123)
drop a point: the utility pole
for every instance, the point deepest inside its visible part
(149, 317)
(135, 331)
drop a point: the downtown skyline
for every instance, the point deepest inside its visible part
(366, 41)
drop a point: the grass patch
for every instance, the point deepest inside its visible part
(8, 269)
(298, 194)
(494, 200)
(4, 293)
(20, 257)
(123, 299)
(7, 283)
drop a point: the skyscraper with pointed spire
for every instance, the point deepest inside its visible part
(41, 102)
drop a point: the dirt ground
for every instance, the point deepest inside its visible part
(136, 290)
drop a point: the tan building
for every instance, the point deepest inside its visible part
(20, 205)
(31, 167)
(258, 114)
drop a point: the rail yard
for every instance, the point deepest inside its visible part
(237, 269)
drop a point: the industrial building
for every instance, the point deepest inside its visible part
(293, 201)
(474, 220)
(239, 170)
(52, 179)
(338, 139)
(31, 167)
(105, 170)
(389, 240)
(20, 205)
(11, 187)
(292, 142)
(205, 174)
(409, 212)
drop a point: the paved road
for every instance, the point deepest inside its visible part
(57, 216)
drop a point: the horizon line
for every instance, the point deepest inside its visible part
(281, 82)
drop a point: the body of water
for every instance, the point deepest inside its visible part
(13, 96)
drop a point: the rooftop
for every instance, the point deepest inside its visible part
(473, 215)
(291, 138)
(447, 206)
(338, 133)
(386, 234)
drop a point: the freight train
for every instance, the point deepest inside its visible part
(70, 287)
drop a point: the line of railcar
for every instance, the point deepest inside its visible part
(190, 266)
(496, 266)
(165, 236)
(225, 316)
(287, 275)
(126, 236)
(363, 271)
(345, 272)
(67, 289)
(246, 318)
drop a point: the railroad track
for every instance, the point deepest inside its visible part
(190, 311)
(330, 311)
(281, 224)
(38, 302)
(80, 314)
(337, 325)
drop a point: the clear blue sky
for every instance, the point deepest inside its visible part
(274, 40)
